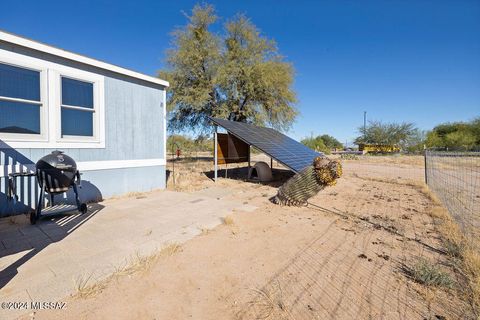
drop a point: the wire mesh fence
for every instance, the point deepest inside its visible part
(455, 178)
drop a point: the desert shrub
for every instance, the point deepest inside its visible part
(429, 274)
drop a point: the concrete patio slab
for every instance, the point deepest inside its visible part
(43, 262)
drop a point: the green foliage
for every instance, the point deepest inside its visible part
(460, 139)
(429, 274)
(316, 144)
(475, 128)
(238, 76)
(187, 145)
(403, 134)
(331, 142)
(323, 143)
(433, 140)
(455, 136)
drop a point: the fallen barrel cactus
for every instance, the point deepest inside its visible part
(308, 182)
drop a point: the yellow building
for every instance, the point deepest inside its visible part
(378, 148)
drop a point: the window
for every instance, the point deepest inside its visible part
(44, 104)
(77, 108)
(20, 100)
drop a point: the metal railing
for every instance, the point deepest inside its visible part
(455, 178)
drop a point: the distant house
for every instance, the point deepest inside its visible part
(111, 120)
(378, 148)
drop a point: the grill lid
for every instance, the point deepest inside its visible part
(56, 172)
(57, 160)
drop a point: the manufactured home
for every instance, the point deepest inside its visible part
(111, 120)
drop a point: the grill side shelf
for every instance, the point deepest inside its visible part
(12, 183)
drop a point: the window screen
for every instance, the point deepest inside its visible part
(19, 100)
(77, 108)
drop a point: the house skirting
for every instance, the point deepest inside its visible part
(100, 180)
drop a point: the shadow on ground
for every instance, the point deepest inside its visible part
(19, 236)
(280, 176)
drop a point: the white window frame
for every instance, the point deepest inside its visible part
(19, 137)
(98, 108)
(50, 116)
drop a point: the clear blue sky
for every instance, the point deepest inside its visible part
(415, 61)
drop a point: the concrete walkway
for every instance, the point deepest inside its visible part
(43, 263)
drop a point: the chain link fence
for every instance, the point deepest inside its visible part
(455, 178)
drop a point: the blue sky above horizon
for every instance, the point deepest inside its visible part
(413, 61)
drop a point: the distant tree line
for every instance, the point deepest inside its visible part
(445, 136)
(405, 135)
(188, 145)
(455, 136)
(323, 143)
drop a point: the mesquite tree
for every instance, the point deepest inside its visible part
(402, 134)
(238, 75)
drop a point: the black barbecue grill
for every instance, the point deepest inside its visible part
(56, 173)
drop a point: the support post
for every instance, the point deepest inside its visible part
(248, 160)
(271, 163)
(425, 166)
(215, 151)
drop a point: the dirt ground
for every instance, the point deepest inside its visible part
(344, 256)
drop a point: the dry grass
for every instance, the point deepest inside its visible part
(423, 188)
(471, 266)
(269, 303)
(137, 263)
(461, 250)
(170, 249)
(452, 236)
(429, 294)
(228, 221)
(86, 288)
(188, 175)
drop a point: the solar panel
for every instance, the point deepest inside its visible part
(285, 150)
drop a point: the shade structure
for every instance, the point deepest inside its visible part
(292, 154)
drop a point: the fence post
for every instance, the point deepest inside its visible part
(215, 157)
(425, 166)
